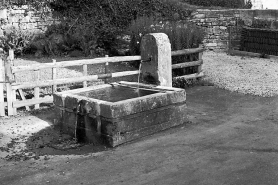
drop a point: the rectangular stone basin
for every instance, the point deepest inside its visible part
(119, 112)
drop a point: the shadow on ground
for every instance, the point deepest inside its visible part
(52, 140)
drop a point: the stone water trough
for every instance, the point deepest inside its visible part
(120, 112)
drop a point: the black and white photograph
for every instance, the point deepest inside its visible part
(138, 92)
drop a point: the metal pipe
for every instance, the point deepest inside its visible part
(148, 60)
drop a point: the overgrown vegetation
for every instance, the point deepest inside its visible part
(101, 22)
(16, 39)
(96, 27)
(264, 24)
(182, 34)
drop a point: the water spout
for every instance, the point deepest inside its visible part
(148, 60)
(138, 81)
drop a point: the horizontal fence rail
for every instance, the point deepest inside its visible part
(35, 67)
(103, 60)
(72, 80)
(198, 63)
(191, 76)
(187, 64)
(12, 87)
(187, 51)
(18, 104)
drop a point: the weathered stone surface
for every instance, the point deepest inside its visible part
(86, 130)
(216, 29)
(135, 134)
(139, 116)
(58, 112)
(15, 18)
(176, 97)
(31, 26)
(71, 102)
(143, 119)
(133, 106)
(211, 19)
(26, 19)
(3, 14)
(17, 15)
(158, 71)
(69, 123)
(216, 18)
(211, 44)
(17, 11)
(58, 99)
(16, 25)
(199, 16)
(222, 27)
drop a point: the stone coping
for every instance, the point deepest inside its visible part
(95, 107)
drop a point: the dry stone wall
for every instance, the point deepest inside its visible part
(25, 18)
(216, 23)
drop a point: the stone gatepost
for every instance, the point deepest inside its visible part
(156, 67)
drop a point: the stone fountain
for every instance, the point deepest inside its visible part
(120, 112)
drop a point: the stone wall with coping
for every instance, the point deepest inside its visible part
(216, 23)
(25, 18)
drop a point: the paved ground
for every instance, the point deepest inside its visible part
(232, 140)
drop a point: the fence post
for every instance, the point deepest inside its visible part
(106, 70)
(9, 78)
(23, 98)
(200, 58)
(54, 76)
(11, 54)
(229, 38)
(2, 79)
(37, 89)
(13, 92)
(85, 73)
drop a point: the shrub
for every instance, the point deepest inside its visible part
(76, 37)
(261, 23)
(248, 4)
(181, 34)
(108, 19)
(16, 39)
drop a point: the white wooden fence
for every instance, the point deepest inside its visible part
(11, 87)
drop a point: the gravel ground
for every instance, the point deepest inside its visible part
(255, 76)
